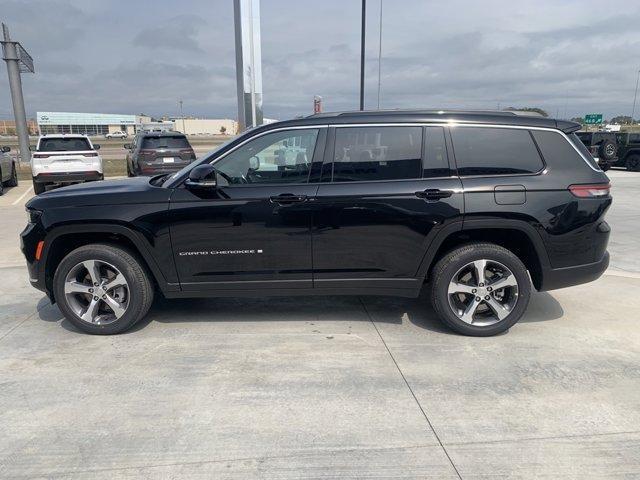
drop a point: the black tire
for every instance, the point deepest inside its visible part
(38, 188)
(129, 174)
(140, 295)
(1, 185)
(13, 180)
(447, 267)
(607, 150)
(633, 163)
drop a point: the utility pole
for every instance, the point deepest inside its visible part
(635, 96)
(182, 116)
(18, 61)
(380, 55)
(362, 31)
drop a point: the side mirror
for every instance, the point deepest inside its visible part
(202, 176)
(6, 149)
(254, 163)
(128, 146)
(96, 146)
(32, 148)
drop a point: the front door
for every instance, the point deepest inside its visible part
(386, 192)
(253, 230)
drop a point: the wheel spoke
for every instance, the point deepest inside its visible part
(500, 310)
(117, 281)
(117, 308)
(457, 287)
(467, 315)
(77, 287)
(94, 271)
(90, 314)
(509, 281)
(480, 266)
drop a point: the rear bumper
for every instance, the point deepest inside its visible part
(63, 177)
(554, 278)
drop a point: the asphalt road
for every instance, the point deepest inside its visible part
(336, 387)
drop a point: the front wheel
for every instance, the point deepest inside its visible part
(102, 289)
(13, 180)
(480, 289)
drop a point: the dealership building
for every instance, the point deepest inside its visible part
(87, 123)
(103, 123)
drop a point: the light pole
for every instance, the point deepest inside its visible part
(18, 61)
(635, 96)
(362, 30)
(182, 116)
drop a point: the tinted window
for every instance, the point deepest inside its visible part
(495, 151)
(377, 153)
(558, 152)
(436, 163)
(165, 141)
(63, 144)
(279, 157)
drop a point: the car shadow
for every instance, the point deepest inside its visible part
(393, 310)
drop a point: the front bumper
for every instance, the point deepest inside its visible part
(68, 177)
(554, 278)
(29, 239)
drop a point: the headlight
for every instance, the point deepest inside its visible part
(34, 215)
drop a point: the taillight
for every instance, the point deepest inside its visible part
(40, 155)
(188, 151)
(590, 191)
(90, 154)
(147, 152)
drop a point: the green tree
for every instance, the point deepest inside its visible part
(622, 120)
(530, 109)
(223, 130)
(578, 120)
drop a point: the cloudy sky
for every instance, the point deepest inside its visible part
(569, 57)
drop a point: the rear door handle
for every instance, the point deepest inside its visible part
(434, 194)
(288, 199)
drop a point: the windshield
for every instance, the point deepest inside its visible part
(184, 170)
(63, 144)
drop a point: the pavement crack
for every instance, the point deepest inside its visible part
(406, 382)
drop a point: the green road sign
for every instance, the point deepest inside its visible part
(593, 119)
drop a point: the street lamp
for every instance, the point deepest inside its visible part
(635, 96)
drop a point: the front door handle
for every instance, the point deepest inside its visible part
(434, 194)
(288, 199)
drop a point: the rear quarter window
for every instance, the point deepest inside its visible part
(557, 151)
(495, 151)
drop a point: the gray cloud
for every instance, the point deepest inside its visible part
(570, 58)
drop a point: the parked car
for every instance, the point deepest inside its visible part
(117, 134)
(8, 171)
(482, 207)
(152, 153)
(603, 146)
(65, 159)
(628, 151)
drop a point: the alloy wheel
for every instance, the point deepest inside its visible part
(97, 292)
(483, 292)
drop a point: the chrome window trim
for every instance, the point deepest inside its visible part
(453, 124)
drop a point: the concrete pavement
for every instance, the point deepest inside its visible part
(336, 387)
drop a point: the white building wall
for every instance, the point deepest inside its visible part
(205, 126)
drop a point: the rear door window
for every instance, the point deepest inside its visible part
(495, 151)
(165, 141)
(377, 153)
(63, 145)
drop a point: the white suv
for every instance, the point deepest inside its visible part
(63, 159)
(117, 134)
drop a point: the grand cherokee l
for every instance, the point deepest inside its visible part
(480, 206)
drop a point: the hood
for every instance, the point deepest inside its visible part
(109, 192)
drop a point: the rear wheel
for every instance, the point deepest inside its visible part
(633, 163)
(38, 188)
(102, 289)
(480, 289)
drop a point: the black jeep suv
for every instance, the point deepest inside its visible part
(603, 146)
(481, 206)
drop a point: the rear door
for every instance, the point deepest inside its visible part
(385, 193)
